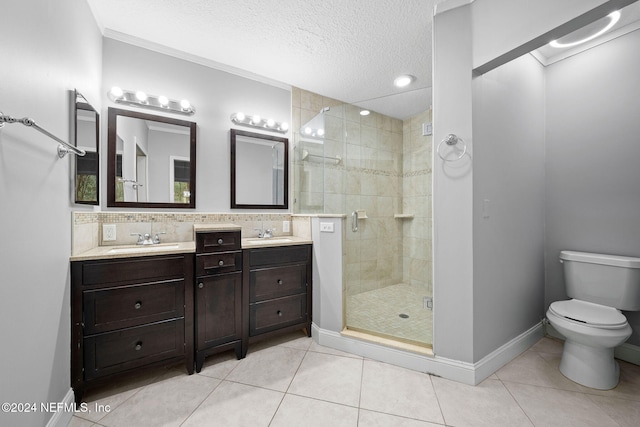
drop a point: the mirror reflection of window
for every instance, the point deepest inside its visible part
(86, 178)
(180, 180)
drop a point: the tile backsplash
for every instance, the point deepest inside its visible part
(177, 227)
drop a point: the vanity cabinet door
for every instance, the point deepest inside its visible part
(218, 308)
(218, 294)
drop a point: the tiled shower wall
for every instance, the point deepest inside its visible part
(382, 160)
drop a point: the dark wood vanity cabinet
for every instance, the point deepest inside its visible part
(218, 294)
(130, 313)
(276, 291)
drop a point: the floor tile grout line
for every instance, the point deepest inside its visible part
(526, 414)
(435, 392)
(284, 394)
(202, 401)
(360, 393)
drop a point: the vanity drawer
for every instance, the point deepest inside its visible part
(132, 270)
(221, 262)
(277, 313)
(117, 351)
(277, 282)
(261, 257)
(218, 241)
(126, 306)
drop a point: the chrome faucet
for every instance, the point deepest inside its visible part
(266, 234)
(145, 239)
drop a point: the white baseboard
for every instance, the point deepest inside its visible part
(63, 418)
(464, 372)
(495, 360)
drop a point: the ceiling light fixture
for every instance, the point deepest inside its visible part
(365, 112)
(257, 122)
(403, 80)
(141, 99)
(613, 19)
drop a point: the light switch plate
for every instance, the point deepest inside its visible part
(108, 232)
(326, 227)
(286, 226)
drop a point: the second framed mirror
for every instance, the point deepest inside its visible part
(259, 171)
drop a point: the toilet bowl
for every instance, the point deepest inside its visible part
(600, 285)
(592, 332)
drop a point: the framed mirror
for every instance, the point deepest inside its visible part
(152, 161)
(87, 137)
(259, 171)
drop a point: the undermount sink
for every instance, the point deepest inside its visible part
(144, 248)
(273, 240)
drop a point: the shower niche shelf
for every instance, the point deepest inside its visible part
(403, 216)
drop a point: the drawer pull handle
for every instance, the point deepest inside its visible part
(220, 241)
(201, 285)
(138, 305)
(279, 313)
(279, 281)
(221, 263)
(139, 346)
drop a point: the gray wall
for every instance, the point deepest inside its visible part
(48, 49)
(215, 94)
(593, 158)
(508, 238)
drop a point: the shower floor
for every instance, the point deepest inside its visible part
(379, 312)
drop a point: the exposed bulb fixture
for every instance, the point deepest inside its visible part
(142, 99)
(308, 130)
(403, 80)
(614, 17)
(320, 132)
(365, 112)
(141, 96)
(258, 122)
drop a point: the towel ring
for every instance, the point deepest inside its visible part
(452, 139)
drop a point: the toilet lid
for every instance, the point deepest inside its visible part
(589, 313)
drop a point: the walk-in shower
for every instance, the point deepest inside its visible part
(375, 170)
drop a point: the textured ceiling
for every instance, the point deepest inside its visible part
(350, 50)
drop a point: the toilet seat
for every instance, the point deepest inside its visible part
(589, 314)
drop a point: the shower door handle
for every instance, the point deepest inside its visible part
(354, 221)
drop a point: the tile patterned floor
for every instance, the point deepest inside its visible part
(292, 381)
(378, 312)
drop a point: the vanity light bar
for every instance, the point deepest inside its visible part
(260, 123)
(141, 99)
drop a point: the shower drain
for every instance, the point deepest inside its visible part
(404, 316)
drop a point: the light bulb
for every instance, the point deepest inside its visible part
(256, 120)
(240, 117)
(163, 100)
(141, 96)
(116, 92)
(284, 126)
(185, 105)
(271, 123)
(320, 132)
(308, 130)
(365, 112)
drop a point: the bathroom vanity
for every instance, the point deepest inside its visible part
(128, 313)
(135, 307)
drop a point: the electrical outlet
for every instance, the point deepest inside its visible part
(326, 227)
(108, 232)
(286, 226)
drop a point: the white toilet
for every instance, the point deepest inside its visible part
(600, 285)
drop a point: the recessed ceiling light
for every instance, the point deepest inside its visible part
(403, 80)
(613, 18)
(365, 112)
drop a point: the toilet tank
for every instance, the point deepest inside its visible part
(610, 280)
